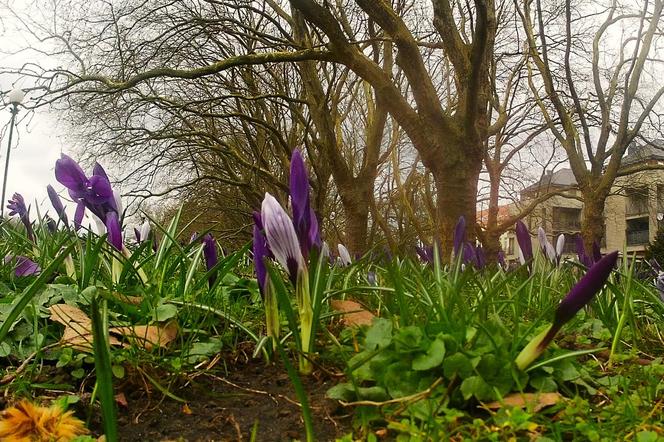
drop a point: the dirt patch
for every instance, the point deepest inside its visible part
(248, 397)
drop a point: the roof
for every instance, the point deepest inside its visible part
(559, 178)
(503, 213)
(641, 153)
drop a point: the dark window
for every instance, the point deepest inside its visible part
(637, 231)
(566, 219)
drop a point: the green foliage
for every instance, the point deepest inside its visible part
(655, 249)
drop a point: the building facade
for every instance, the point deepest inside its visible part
(633, 212)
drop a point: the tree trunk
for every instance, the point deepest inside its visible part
(592, 219)
(491, 244)
(357, 217)
(456, 188)
(356, 201)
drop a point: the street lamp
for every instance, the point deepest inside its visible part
(15, 98)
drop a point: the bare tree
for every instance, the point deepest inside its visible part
(596, 98)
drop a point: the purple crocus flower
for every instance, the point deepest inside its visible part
(304, 218)
(501, 259)
(581, 252)
(584, 290)
(261, 251)
(114, 230)
(23, 265)
(425, 253)
(525, 243)
(281, 236)
(468, 254)
(459, 234)
(371, 278)
(78, 215)
(597, 254)
(56, 202)
(95, 192)
(16, 206)
(580, 295)
(210, 254)
(143, 233)
(480, 257)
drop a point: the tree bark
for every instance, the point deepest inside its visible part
(592, 218)
(456, 187)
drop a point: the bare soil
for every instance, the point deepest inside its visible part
(248, 397)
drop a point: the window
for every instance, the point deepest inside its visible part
(638, 232)
(566, 219)
(637, 201)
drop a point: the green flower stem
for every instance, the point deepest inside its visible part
(306, 315)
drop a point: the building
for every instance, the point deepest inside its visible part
(632, 214)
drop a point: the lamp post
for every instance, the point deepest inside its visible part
(15, 98)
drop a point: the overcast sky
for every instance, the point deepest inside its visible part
(38, 139)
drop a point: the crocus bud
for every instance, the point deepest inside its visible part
(459, 234)
(560, 245)
(210, 254)
(145, 230)
(580, 295)
(56, 202)
(281, 236)
(525, 243)
(344, 255)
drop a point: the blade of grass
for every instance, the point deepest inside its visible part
(102, 354)
(300, 393)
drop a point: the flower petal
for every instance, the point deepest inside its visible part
(69, 173)
(114, 230)
(281, 236)
(584, 290)
(344, 255)
(523, 238)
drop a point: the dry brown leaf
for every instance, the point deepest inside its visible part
(78, 327)
(147, 336)
(134, 300)
(78, 330)
(121, 399)
(72, 317)
(522, 400)
(352, 313)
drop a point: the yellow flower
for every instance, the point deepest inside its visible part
(27, 422)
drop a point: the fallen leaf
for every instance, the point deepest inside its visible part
(148, 336)
(78, 327)
(121, 399)
(134, 300)
(72, 317)
(352, 313)
(522, 400)
(78, 330)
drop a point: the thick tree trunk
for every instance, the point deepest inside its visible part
(592, 219)
(456, 196)
(356, 201)
(491, 244)
(357, 217)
